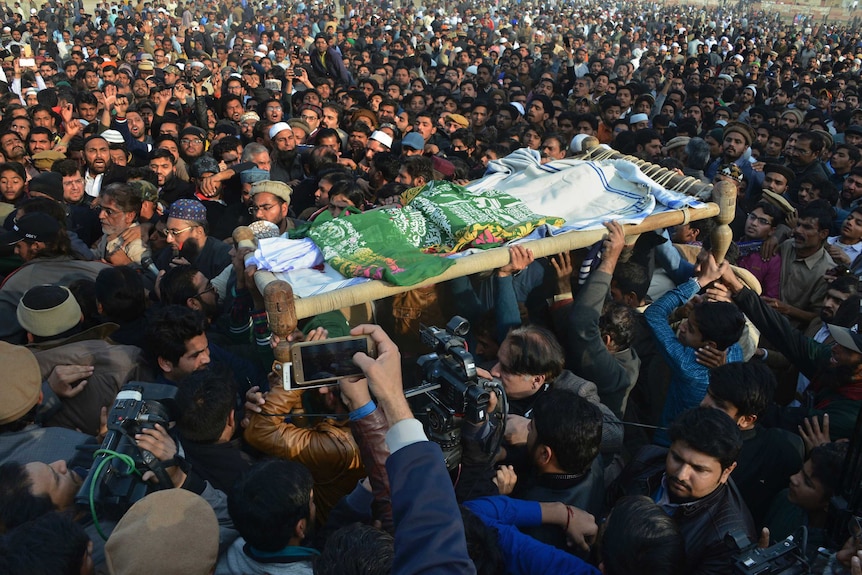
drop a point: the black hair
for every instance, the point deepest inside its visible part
(164, 154)
(356, 549)
(18, 505)
(570, 426)
(771, 210)
(719, 322)
(266, 518)
(170, 328)
(645, 136)
(66, 168)
(618, 321)
(205, 399)
(14, 167)
(533, 350)
(178, 285)
(419, 166)
(483, 545)
(589, 118)
(827, 462)
(640, 537)
(747, 386)
(709, 431)
(387, 164)
(819, 210)
(632, 277)
(120, 291)
(53, 544)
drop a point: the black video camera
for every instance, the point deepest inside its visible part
(457, 393)
(114, 482)
(784, 558)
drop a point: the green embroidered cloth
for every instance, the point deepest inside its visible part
(397, 245)
(459, 218)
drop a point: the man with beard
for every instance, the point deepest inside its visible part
(736, 138)
(691, 482)
(270, 201)
(186, 229)
(193, 142)
(181, 340)
(648, 145)
(286, 165)
(186, 286)
(121, 243)
(237, 214)
(804, 263)
(100, 171)
(13, 148)
(835, 369)
(171, 188)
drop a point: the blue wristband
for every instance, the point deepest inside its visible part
(363, 411)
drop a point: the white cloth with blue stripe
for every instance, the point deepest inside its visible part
(585, 194)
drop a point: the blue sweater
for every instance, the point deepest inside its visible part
(689, 379)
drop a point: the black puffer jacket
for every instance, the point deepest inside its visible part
(703, 523)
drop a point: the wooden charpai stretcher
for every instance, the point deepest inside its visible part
(284, 310)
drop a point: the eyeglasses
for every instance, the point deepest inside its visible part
(175, 233)
(758, 219)
(210, 288)
(190, 141)
(265, 207)
(110, 212)
(309, 116)
(800, 151)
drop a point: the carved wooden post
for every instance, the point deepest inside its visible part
(280, 311)
(723, 194)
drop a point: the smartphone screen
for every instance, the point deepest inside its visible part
(328, 360)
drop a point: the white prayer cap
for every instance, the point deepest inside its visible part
(382, 137)
(278, 127)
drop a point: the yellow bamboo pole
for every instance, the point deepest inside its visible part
(479, 262)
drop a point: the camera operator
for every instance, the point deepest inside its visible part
(529, 363)
(30, 490)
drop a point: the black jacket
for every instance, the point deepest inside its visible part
(703, 523)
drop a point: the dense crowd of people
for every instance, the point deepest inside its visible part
(647, 388)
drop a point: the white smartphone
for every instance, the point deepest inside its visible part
(27, 62)
(329, 359)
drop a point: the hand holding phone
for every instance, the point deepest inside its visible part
(328, 360)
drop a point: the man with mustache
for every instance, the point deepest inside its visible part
(804, 263)
(691, 482)
(101, 170)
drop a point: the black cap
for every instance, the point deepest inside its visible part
(779, 169)
(35, 227)
(48, 183)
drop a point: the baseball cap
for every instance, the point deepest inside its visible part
(35, 226)
(413, 140)
(848, 337)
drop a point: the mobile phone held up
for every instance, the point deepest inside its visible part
(316, 362)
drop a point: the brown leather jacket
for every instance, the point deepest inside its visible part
(370, 434)
(326, 447)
